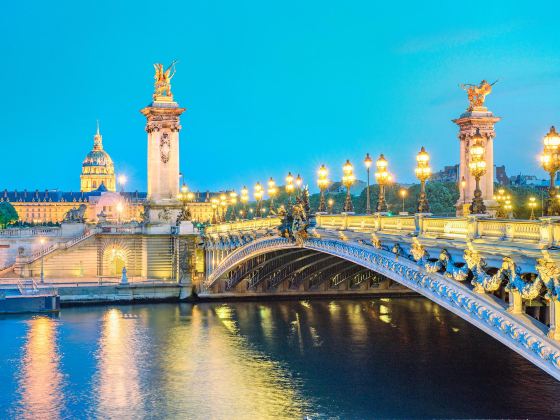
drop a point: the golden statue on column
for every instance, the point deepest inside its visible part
(477, 93)
(162, 84)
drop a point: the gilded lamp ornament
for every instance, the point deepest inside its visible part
(348, 179)
(272, 191)
(322, 183)
(477, 94)
(550, 160)
(477, 167)
(258, 193)
(423, 172)
(382, 177)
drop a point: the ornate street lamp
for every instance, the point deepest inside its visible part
(122, 181)
(463, 186)
(348, 180)
(215, 202)
(299, 182)
(258, 193)
(330, 202)
(368, 161)
(233, 202)
(477, 166)
(223, 206)
(550, 161)
(42, 242)
(272, 191)
(290, 187)
(403, 193)
(184, 197)
(244, 200)
(323, 183)
(501, 198)
(423, 172)
(532, 204)
(383, 177)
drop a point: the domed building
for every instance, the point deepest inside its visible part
(97, 168)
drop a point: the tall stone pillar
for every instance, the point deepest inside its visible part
(163, 128)
(476, 116)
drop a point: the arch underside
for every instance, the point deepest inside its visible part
(324, 263)
(300, 270)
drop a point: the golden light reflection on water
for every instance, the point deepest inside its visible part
(217, 371)
(40, 381)
(117, 386)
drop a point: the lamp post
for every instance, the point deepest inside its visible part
(368, 161)
(550, 160)
(403, 193)
(184, 197)
(223, 206)
(532, 204)
(501, 198)
(477, 166)
(330, 202)
(348, 180)
(289, 187)
(233, 202)
(122, 181)
(272, 191)
(42, 242)
(322, 183)
(214, 203)
(383, 177)
(258, 193)
(244, 200)
(463, 185)
(423, 172)
(299, 182)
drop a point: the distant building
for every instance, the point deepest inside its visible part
(451, 174)
(528, 181)
(447, 174)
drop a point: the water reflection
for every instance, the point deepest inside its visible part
(40, 380)
(117, 383)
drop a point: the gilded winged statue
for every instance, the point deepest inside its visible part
(162, 84)
(477, 93)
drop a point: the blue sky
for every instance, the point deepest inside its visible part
(270, 86)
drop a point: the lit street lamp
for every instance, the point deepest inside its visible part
(233, 202)
(184, 197)
(120, 209)
(368, 161)
(299, 182)
(330, 202)
(383, 177)
(348, 180)
(532, 204)
(223, 207)
(403, 193)
(322, 183)
(258, 193)
(122, 181)
(214, 203)
(423, 172)
(463, 186)
(502, 199)
(244, 200)
(550, 160)
(272, 191)
(290, 187)
(477, 166)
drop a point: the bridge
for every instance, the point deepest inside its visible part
(500, 275)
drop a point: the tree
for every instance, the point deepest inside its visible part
(8, 214)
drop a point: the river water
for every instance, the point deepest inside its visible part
(366, 358)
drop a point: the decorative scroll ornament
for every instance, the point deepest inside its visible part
(527, 290)
(481, 280)
(549, 274)
(451, 270)
(419, 253)
(375, 241)
(165, 147)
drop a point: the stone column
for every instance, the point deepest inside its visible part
(163, 126)
(468, 122)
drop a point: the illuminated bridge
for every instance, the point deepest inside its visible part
(500, 275)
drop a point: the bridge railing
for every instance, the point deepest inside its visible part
(245, 225)
(545, 230)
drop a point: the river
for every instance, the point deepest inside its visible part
(364, 358)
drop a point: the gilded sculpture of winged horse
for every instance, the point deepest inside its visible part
(163, 78)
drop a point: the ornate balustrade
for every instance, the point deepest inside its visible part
(545, 231)
(244, 225)
(30, 232)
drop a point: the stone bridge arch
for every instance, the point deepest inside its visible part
(525, 336)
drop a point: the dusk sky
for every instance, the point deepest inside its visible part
(270, 87)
